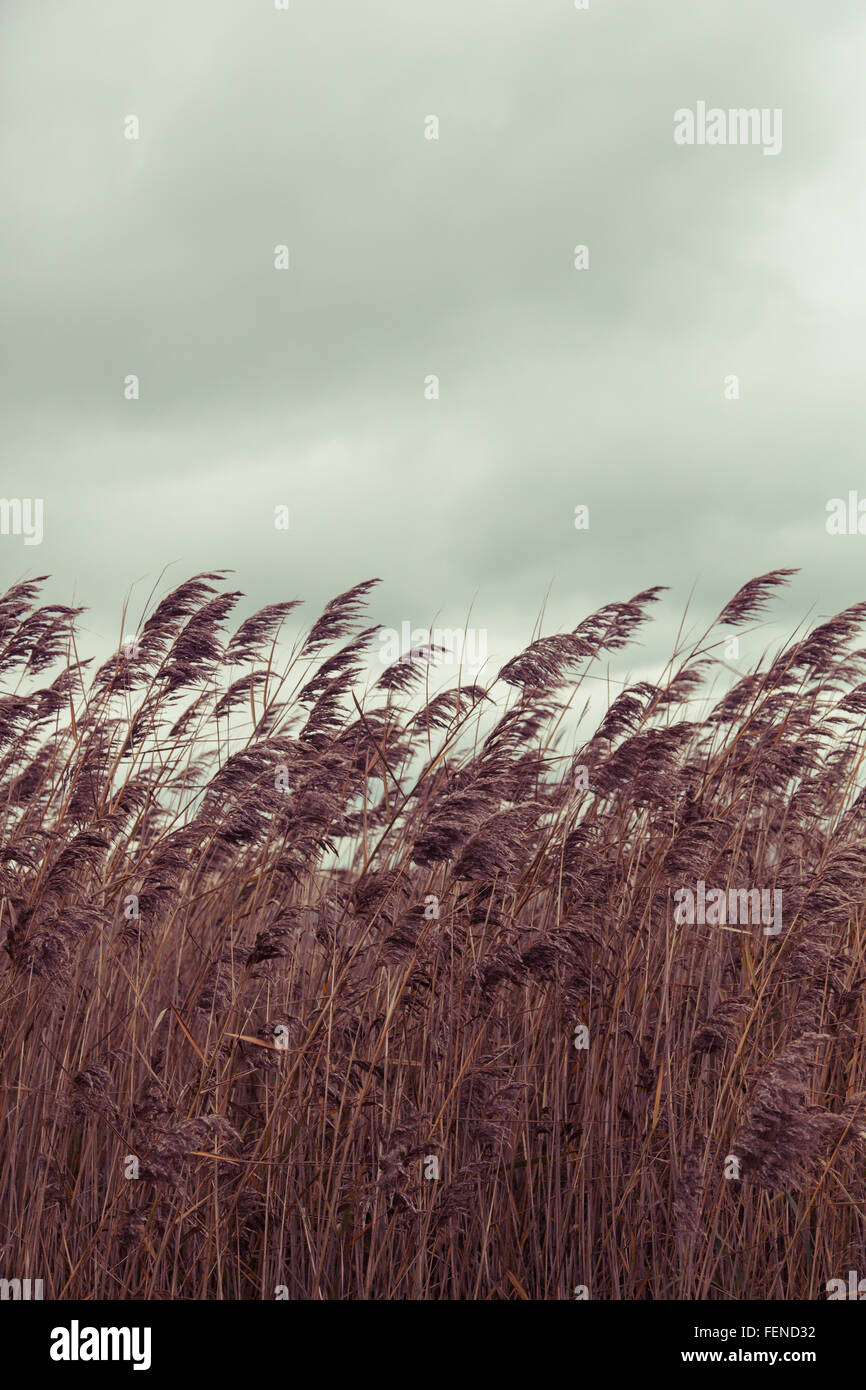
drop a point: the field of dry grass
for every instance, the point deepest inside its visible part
(480, 1060)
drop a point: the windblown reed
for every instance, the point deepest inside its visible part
(232, 1063)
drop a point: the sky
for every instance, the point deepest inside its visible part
(606, 386)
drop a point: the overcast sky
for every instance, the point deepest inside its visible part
(411, 257)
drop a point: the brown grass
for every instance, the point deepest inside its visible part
(280, 1049)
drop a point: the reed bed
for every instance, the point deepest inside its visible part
(317, 983)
